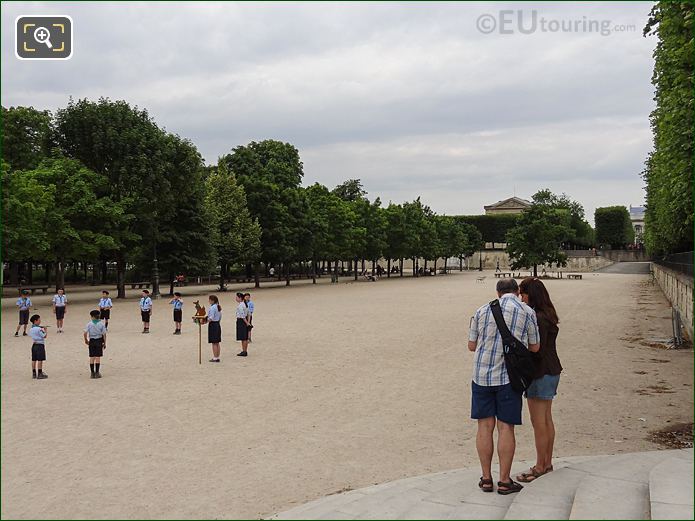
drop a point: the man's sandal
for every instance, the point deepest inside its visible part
(532, 474)
(485, 485)
(508, 488)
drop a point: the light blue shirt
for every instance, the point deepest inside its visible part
(24, 303)
(37, 334)
(105, 302)
(93, 330)
(241, 310)
(178, 304)
(250, 306)
(60, 300)
(214, 314)
(488, 364)
(145, 303)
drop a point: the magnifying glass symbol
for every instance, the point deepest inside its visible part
(42, 35)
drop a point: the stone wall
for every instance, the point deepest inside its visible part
(580, 264)
(678, 289)
(626, 255)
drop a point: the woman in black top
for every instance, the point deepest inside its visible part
(543, 388)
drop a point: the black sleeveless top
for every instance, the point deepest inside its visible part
(547, 361)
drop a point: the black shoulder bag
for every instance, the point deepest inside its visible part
(517, 359)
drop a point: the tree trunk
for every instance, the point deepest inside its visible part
(30, 273)
(84, 268)
(223, 273)
(388, 268)
(120, 276)
(171, 283)
(435, 266)
(47, 273)
(74, 271)
(363, 262)
(400, 267)
(414, 267)
(14, 273)
(425, 266)
(535, 270)
(373, 266)
(461, 263)
(257, 275)
(104, 271)
(313, 270)
(288, 266)
(60, 275)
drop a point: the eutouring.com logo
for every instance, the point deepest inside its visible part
(521, 21)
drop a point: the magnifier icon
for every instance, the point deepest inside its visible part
(42, 35)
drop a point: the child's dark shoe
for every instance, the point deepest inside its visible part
(97, 375)
(42, 376)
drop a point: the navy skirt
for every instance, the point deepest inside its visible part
(214, 333)
(242, 330)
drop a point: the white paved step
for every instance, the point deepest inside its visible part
(615, 487)
(548, 497)
(671, 486)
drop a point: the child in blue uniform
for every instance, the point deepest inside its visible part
(95, 337)
(24, 305)
(105, 306)
(60, 305)
(38, 348)
(145, 310)
(177, 304)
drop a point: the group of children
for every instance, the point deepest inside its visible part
(94, 333)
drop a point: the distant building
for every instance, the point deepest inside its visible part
(637, 218)
(511, 205)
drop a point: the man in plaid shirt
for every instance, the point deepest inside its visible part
(494, 402)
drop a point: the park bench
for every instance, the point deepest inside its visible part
(503, 274)
(140, 285)
(33, 289)
(574, 276)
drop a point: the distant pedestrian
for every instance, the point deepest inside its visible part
(250, 306)
(177, 305)
(242, 324)
(145, 310)
(95, 338)
(214, 329)
(494, 402)
(38, 348)
(105, 306)
(24, 305)
(497, 269)
(60, 307)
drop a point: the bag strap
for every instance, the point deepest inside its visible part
(499, 320)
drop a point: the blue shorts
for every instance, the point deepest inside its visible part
(543, 388)
(496, 401)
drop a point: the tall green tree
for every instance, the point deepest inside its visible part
(581, 232)
(26, 136)
(537, 239)
(123, 144)
(613, 227)
(80, 213)
(669, 169)
(271, 173)
(235, 235)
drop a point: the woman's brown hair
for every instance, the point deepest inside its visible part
(215, 300)
(539, 299)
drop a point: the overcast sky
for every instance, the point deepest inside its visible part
(414, 99)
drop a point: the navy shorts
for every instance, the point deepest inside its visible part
(60, 312)
(496, 401)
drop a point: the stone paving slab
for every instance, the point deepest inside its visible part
(454, 494)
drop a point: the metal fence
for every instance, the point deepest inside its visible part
(680, 262)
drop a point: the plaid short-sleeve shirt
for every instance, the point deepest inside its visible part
(488, 365)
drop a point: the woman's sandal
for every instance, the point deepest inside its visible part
(532, 474)
(485, 485)
(508, 488)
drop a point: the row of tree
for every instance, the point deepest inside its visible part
(669, 167)
(100, 182)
